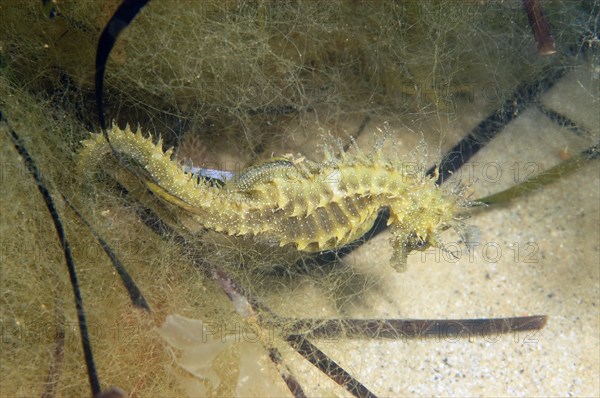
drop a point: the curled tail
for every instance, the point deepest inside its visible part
(161, 175)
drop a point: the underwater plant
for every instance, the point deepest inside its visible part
(229, 315)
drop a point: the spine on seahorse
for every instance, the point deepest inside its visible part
(163, 176)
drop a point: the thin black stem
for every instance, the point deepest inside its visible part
(397, 329)
(85, 339)
(135, 294)
(119, 21)
(326, 365)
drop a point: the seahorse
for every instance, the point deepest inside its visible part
(315, 206)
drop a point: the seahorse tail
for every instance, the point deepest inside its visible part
(163, 176)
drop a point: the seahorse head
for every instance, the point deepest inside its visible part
(417, 222)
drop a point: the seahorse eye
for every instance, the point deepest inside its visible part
(421, 244)
(416, 242)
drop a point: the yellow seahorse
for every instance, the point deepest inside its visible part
(291, 200)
